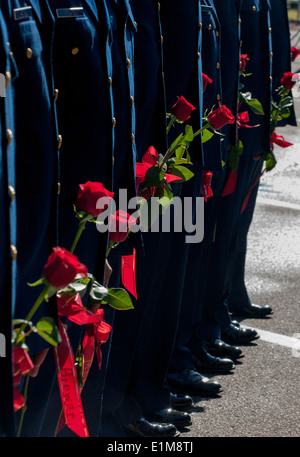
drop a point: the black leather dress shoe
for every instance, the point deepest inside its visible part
(232, 334)
(144, 428)
(170, 416)
(219, 348)
(181, 402)
(206, 363)
(193, 383)
(253, 311)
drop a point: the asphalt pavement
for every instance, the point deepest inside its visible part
(261, 396)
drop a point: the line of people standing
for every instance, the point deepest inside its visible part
(88, 86)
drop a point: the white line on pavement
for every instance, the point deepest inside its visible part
(282, 340)
(278, 203)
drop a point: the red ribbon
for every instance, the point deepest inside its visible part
(149, 160)
(242, 120)
(96, 333)
(246, 200)
(129, 273)
(73, 414)
(206, 190)
(231, 183)
(279, 140)
(22, 365)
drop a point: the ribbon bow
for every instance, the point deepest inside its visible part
(279, 140)
(206, 190)
(97, 332)
(22, 365)
(149, 160)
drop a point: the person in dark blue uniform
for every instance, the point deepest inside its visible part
(122, 408)
(36, 144)
(73, 47)
(183, 368)
(8, 235)
(254, 16)
(238, 299)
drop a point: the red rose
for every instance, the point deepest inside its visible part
(243, 62)
(88, 195)
(289, 80)
(220, 117)
(120, 224)
(182, 109)
(295, 53)
(62, 268)
(206, 80)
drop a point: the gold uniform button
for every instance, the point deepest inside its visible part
(56, 92)
(209, 27)
(270, 29)
(271, 55)
(110, 81)
(29, 53)
(114, 121)
(240, 21)
(12, 193)
(59, 141)
(128, 63)
(14, 252)
(198, 55)
(132, 137)
(217, 33)
(254, 8)
(200, 26)
(271, 78)
(132, 100)
(8, 78)
(218, 66)
(9, 136)
(75, 51)
(58, 188)
(218, 97)
(158, 6)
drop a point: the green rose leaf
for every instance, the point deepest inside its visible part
(154, 176)
(97, 294)
(180, 151)
(182, 172)
(176, 142)
(73, 289)
(255, 106)
(48, 330)
(270, 161)
(234, 155)
(189, 134)
(286, 102)
(118, 299)
(285, 112)
(206, 135)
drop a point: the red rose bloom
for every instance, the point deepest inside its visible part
(289, 80)
(244, 58)
(88, 195)
(220, 117)
(182, 109)
(120, 224)
(62, 268)
(295, 52)
(206, 80)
